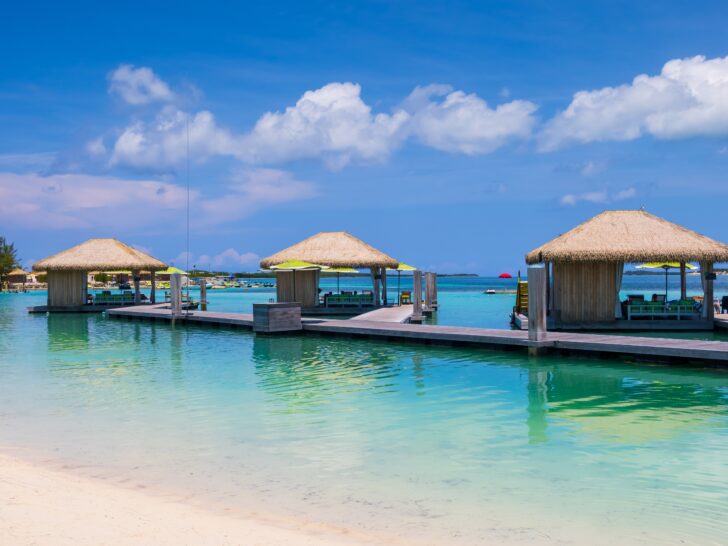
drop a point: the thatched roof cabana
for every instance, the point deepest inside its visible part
(100, 255)
(17, 273)
(585, 266)
(67, 271)
(334, 249)
(629, 236)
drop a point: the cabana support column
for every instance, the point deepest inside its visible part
(536, 304)
(137, 294)
(383, 273)
(683, 282)
(708, 299)
(153, 278)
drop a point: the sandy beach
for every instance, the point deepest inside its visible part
(43, 506)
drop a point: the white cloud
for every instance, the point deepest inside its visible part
(465, 123)
(593, 168)
(96, 147)
(78, 201)
(688, 98)
(138, 86)
(163, 143)
(83, 201)
(255, 189)
(332, 124)
(230, 259)
(237, 259)
(600, 196)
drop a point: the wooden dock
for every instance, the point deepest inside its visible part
(397, 314)
(386, 324)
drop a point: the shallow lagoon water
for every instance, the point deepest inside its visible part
(438, 443)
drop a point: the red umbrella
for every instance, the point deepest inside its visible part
(505, 276)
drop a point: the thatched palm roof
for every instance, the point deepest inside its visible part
(629, 236)
(17, 272)
(334, 249)
(100, 254)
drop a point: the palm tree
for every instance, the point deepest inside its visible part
(8, 258)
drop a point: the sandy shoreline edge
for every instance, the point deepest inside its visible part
(44, 506)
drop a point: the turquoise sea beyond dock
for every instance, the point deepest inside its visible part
(428, 444)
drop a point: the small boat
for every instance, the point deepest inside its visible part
(490, 291)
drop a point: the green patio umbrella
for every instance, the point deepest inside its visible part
(297, 265)
(666, 266)
(339, 271)
(401, 267)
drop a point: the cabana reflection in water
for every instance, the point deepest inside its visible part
(586, 265)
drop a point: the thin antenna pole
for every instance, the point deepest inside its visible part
(187, 254)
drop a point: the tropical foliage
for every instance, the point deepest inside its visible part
(8, 258)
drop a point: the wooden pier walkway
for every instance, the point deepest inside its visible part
(397, 314)
(388, 326)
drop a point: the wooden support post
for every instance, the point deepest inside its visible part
(175, 289)
(153, 296)
(375, 285)
(203, 295)
(683, 282)
(428, 293)
(383, 271)
(709, 295)
(547, 266)
(417, 296)
(137, 294)
(435, 303)
(536, 305)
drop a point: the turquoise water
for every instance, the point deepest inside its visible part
(443, 444)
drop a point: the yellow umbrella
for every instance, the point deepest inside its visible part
(666, 266)
(297, 265)
(401, 267)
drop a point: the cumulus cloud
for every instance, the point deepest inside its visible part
(138, 86)
(255, 189)
(465, 123)
(687, 99)
(162, 144)
(600, 196)
(333, 124)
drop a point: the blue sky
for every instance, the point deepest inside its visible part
(455, 136)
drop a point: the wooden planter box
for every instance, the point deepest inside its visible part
(276, 317)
